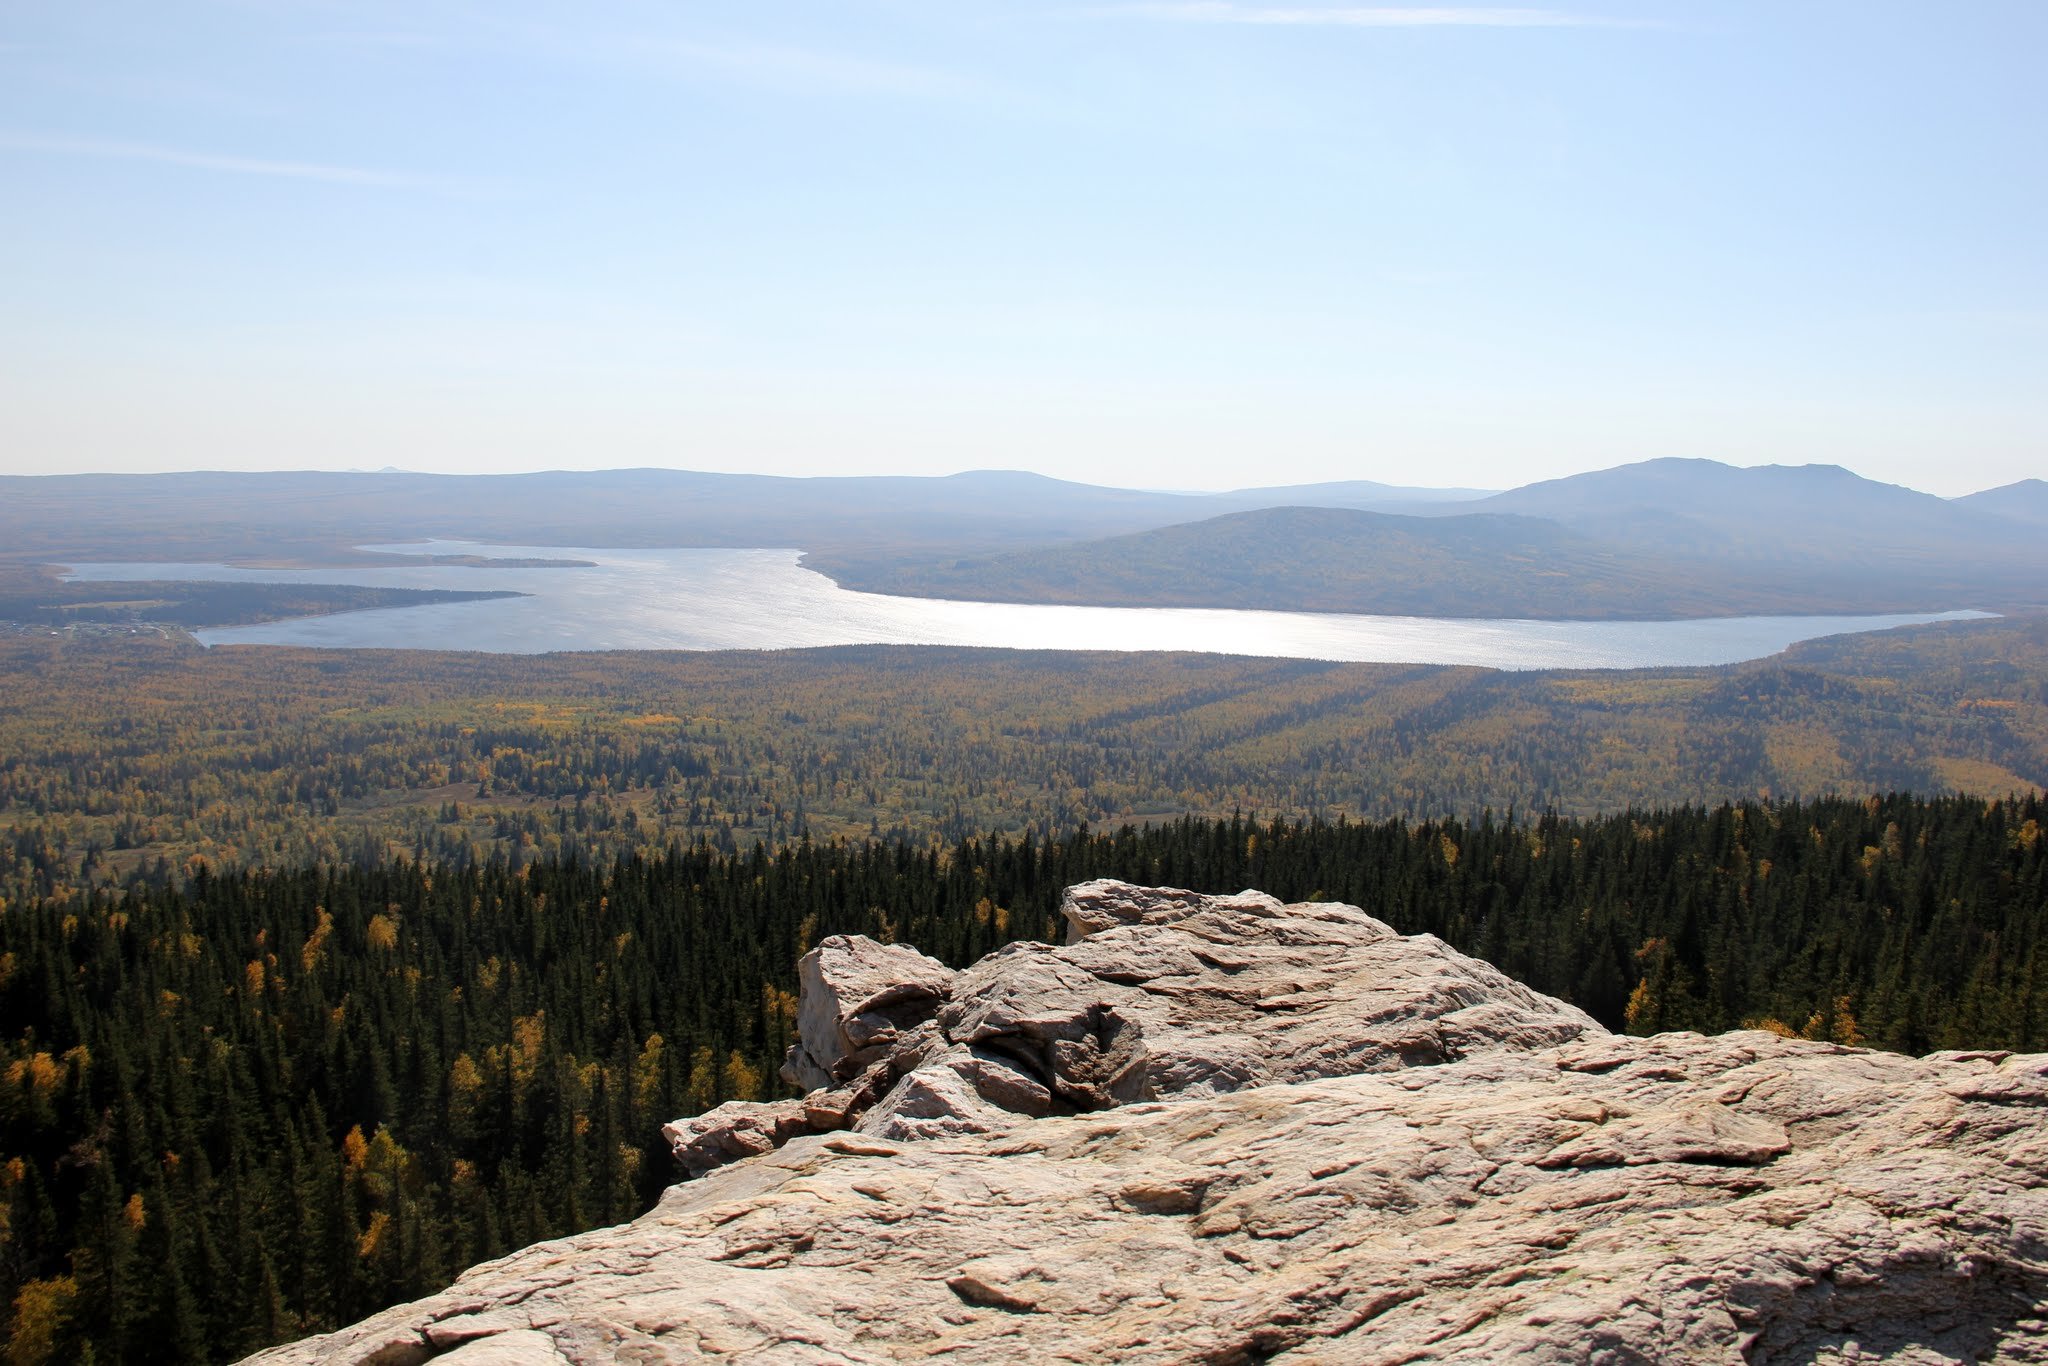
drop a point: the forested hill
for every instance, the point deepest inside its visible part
(248, 1107)
(1322, 560)
(1660, 538)
(1344, 560)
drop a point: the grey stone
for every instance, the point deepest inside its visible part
(857, 997)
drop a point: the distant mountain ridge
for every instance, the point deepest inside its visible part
(320, 515)
(2024, 501)
(1659, 538)
(1488, 564)
(1352, 493)
(1781, 509)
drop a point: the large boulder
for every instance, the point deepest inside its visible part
(857, 997)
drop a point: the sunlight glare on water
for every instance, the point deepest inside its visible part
(765, 600)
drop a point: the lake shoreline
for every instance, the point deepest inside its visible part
(740, 599)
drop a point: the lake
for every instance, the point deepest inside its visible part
(766, 600)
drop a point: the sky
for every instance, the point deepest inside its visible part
(1185, 244)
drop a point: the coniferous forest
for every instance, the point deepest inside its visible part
(239, 1107)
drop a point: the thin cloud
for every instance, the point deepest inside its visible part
(107, 150)
(1362, 16)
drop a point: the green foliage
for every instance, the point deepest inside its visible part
(245, 1106)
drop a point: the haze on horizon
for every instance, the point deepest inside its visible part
(1209, 244)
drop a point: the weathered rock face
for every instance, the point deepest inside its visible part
(1158, 993)
(1220, 1129)
(857, 997)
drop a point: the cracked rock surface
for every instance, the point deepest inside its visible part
(1222, 1129)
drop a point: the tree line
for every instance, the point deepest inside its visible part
(242, 1106)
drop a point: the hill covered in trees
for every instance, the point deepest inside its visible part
(1661, 538)
(1492, 564)
(249, 1106)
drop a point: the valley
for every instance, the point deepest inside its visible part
(327, 972)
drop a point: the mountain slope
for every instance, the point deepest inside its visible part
(1346, 560)
(1781, 512)
(2025, 501)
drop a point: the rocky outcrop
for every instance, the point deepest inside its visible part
(1223, 1129)
(1158, 993)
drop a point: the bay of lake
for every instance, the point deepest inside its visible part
(766, 600)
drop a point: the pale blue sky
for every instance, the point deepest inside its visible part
(1169, 244)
